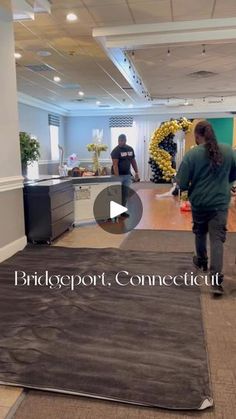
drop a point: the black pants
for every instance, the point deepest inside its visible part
(214, 223)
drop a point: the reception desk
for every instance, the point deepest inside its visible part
(86, 190)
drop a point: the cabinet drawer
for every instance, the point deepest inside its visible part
(62, 225)
(62, 197)
(62, 211)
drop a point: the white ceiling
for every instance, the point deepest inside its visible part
(170, 76)
(79, 60)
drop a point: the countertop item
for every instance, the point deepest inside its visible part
(94, 179)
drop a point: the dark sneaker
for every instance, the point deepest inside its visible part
(217, 290)
(200, 263)
(125, 215)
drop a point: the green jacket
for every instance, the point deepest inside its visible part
(207, 189)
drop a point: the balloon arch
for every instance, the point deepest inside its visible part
(163, 149)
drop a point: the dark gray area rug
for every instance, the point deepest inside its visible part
(177, 241)
(136, 344)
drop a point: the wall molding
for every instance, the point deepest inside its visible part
(37, 103)
(41, 162)
(89, 160)
(206, 109)
(11, 248)
(84, 160)
(11, 183)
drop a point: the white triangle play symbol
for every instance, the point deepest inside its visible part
(116, 209)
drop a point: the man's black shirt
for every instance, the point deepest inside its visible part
(124, 155)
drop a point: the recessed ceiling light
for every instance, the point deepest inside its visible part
(17, 55)
(81, 93)
(98, 102)
(44, 53)
(56, 79)
(71, 17)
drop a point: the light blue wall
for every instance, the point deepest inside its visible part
(35, 121)
(79, 133)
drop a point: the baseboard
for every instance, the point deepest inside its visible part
(11, 248)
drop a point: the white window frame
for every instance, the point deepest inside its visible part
(54, 142)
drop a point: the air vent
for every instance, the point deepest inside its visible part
(202, 74)
(71, 86)
(128, 88)
(104, 106)
(37, 68)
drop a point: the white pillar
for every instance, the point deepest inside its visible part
(12, 235)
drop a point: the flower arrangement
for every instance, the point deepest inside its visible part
(162, 148)
(97, 149)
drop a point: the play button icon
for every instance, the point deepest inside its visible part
(118, 209)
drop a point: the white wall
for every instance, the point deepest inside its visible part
(77, 131)
(12, 234)
(35, 121)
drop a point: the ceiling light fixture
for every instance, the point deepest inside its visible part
(98, 103)
(168, 52)
(71, 17)
(44, 53)
(203, 49)
(186, 103)
(56, 79)
(17, 55)
(80, 93)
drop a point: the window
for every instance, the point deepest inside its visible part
(130, 133)
(54, 124)
(54, 139)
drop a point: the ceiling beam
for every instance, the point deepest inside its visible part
(165, 27)
(191, 32)
(179, 38)
(126, 68)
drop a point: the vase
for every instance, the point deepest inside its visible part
(96, 164)
(24, 167)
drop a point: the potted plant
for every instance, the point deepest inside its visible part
(29, 148)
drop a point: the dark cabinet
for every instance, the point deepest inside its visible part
(49, 209)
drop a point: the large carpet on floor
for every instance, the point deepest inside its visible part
(143, 345)
(178, 241)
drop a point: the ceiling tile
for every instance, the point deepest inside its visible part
(112, 13)
(102, 2)
(150, 11)
(169, 76)
(225, 8)
(68, 4)
(192, 9)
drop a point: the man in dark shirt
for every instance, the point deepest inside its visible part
(123, 158)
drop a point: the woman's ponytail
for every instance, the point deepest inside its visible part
(205, 130)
